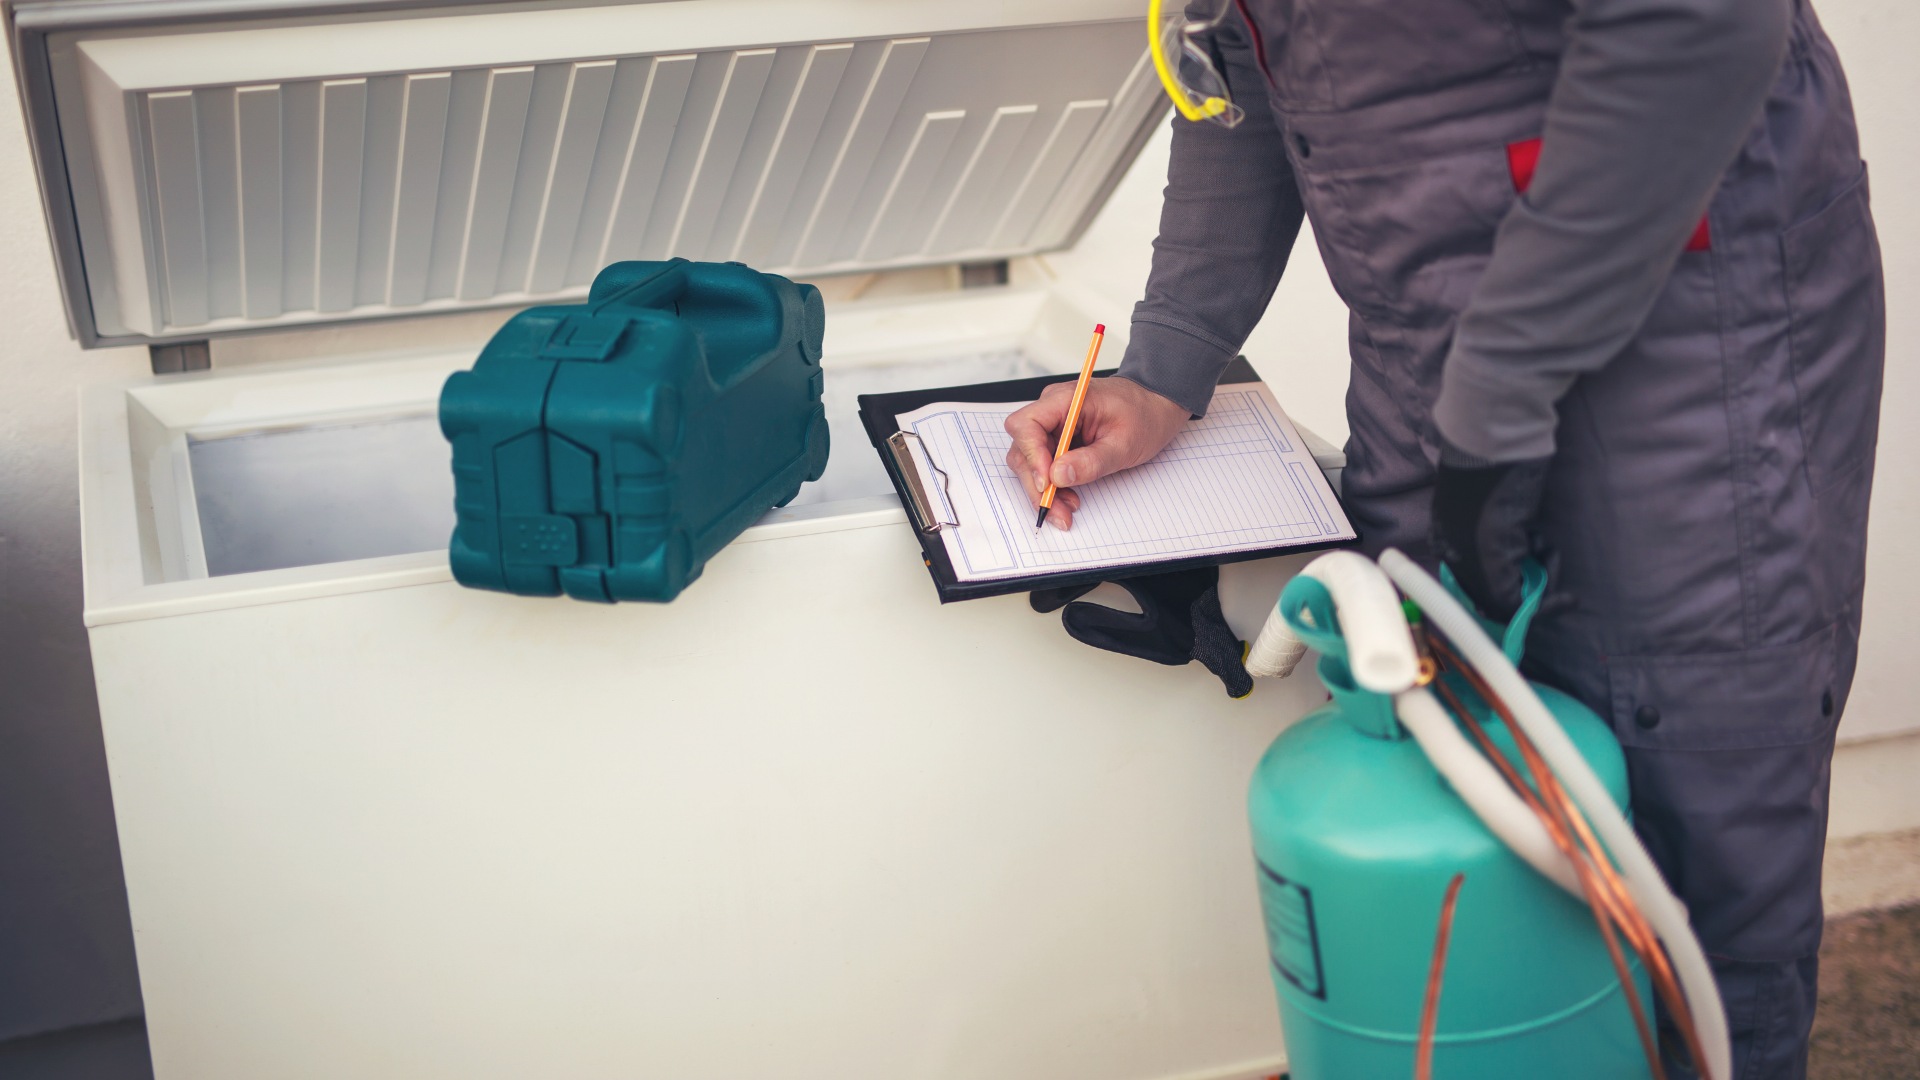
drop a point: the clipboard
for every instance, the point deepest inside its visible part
(924, 508)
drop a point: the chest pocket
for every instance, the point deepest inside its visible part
(1327, 54)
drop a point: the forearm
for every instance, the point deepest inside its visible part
(1653, 100)
(1228, 223)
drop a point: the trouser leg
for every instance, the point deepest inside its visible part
(1740, 835)
(1387, 485)
(1770, 1010)
(1729, 759)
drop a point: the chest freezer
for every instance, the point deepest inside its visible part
(802, 821)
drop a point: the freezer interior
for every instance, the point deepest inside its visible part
(321, 493)
(309, 464)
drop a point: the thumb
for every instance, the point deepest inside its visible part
(1085, 464)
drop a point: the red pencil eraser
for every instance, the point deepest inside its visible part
(1099, 328)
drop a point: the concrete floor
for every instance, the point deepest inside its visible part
(1868, 1026)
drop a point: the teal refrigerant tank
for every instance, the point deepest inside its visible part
(1357, 837)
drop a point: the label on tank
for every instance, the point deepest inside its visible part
(1293, 942)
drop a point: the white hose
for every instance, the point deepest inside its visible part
(1276, 651)
(1662, 908)
(1483, 789)
(1379, 645)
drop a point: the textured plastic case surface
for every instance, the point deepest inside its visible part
(609, 449)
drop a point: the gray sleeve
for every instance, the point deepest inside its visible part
(1653, 100)
(1227, 225)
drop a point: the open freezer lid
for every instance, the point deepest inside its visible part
(220, 166)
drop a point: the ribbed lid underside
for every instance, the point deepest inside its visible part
(236, 206)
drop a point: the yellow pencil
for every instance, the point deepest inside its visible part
(1073, 419)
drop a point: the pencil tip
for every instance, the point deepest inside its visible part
(1039, 521)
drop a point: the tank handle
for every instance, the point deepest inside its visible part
(1513, 636)
(1307, 608)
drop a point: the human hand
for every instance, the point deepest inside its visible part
(1122, 424)
(1482, 527)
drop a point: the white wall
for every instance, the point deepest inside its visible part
(1876, 39)
(1301, 345)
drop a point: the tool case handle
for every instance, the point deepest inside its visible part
(660, 290)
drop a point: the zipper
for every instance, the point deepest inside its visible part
(1259, 43)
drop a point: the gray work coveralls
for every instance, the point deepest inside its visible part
(1708, 493)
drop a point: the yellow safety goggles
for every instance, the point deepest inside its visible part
(1175, 33)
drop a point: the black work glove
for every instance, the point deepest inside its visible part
(1483, 517)
(1179, 621)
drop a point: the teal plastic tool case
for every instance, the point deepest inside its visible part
(609, 449)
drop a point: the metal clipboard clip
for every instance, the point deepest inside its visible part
(919, 505)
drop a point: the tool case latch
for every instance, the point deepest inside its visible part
(585, 337)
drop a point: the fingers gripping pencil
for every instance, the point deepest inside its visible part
(1073, 419)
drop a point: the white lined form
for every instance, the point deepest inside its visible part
(1239, 479)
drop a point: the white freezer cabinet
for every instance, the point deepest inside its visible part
(802, 820)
